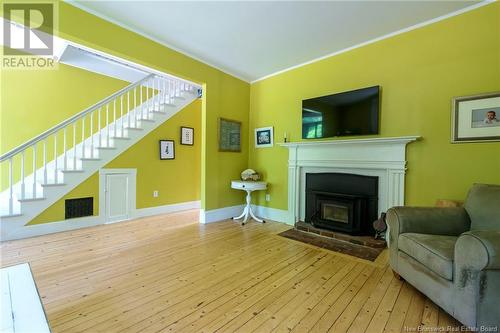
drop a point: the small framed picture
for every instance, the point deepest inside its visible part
(476, 118)
(264, 137)
(167, 149)
(187, 136)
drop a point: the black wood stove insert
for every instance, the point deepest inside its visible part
(342, 202)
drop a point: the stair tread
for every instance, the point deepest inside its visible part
(31, 199)
(71, 170)
(134, 128)
(10, 215)
(119, 137)
(90, 159)
(52, 184)
(105, 147)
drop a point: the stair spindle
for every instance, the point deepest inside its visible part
(83, 137)
(45, 161)
(164, 91)
(136, 116)
(146, 102)
(74, 145)
(107, 125)
(128, 108)
(64, 149)
(99, 142)
(114, 118)
(55, 158)
(155, 100)
(141, 101)
(23, 188)
(121, 116)
(92, 134)
(34, 171)
(11, 188)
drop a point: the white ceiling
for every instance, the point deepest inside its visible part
(252, 40)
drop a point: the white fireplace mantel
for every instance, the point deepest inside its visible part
(381, 157)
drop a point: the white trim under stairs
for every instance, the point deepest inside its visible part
(90, 221)
(83, 144)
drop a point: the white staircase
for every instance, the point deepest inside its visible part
(82, 145)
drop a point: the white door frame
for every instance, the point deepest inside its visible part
(132, 173)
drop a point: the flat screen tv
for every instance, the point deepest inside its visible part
(353, 112)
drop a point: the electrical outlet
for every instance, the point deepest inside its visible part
(268, 197)
(155, 194)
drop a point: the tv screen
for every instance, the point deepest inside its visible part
(348, 113)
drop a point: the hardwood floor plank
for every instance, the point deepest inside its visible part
(169, 273)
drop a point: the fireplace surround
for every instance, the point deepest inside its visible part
(384, 158)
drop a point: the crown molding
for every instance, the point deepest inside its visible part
(229, 72)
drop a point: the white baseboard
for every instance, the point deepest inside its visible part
(90, 221)
(215, 215)
(165, 209)
(273, 214)
(53, 227)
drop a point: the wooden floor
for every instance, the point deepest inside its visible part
(170, 274)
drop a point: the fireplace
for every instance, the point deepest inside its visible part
(342, 202)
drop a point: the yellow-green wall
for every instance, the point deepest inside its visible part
(176, 180)
(224, 95)
(420, 72)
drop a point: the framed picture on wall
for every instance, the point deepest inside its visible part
(229, 135)
(187, 136)
(264, 137)
(476, 118)
(167, 149)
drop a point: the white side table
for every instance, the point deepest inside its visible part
(249, 187)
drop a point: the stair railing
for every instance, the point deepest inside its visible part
(90, 129)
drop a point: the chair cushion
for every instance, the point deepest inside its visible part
(433, 251)
(483, 207)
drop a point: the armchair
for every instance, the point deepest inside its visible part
(452, 255)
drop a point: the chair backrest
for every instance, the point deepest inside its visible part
(483, 206)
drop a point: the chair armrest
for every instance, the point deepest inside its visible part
(450, 221)
(478, 250)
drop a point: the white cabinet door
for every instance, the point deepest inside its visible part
(117, 197)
